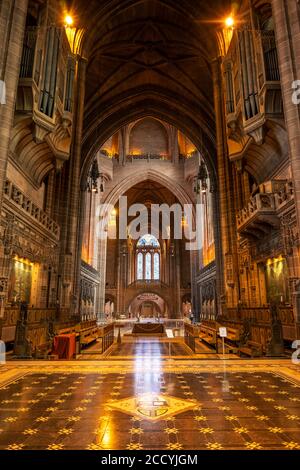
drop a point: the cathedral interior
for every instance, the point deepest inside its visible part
(116, 332)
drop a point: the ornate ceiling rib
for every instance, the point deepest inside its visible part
(145, 56)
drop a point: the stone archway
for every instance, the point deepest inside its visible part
(182, 192)
(148, 305)
(114, 190)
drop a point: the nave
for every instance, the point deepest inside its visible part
(149, 225)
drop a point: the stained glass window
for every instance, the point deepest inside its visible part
(148, 240)
(148, 266)
(156, 267)
(140, 266)
(148, 258)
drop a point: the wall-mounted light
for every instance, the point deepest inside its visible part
(69, 20)
(229, 22)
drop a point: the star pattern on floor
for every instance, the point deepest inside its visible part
(76, 411)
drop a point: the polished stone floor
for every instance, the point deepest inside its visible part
(151, 348)
(150, 403)
(130, 348)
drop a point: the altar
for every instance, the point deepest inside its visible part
(151, 329)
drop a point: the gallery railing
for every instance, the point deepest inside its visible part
(16, 197)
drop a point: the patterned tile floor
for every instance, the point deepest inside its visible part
(150, 404)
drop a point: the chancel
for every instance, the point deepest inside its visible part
(149, 225)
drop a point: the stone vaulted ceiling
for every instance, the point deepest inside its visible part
(149, 57)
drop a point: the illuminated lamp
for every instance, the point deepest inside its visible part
(229, 22)
(68, 20)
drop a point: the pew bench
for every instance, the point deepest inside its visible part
(233, 334)
(230, 341)
(88, 336)
(208, 335)
(251, 349)
(230, 348)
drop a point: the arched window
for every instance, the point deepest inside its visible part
(148, 258)
(148, 240)
(156, 267)
(148, 266)
(140, 266)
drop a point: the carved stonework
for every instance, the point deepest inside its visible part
(290, 233)
(268, 247)
(8, 235)
(21, 238)
(229, 270)
(60, 139)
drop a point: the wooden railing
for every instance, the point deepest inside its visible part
(191, 333)
(106, 335)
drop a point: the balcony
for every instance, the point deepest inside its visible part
(147, 157)
(258, 217)
(147, 284)
(263, 211)
(23, 205)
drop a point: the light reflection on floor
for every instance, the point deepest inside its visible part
(150, 403)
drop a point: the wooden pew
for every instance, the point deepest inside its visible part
(233, 334)
(88, 336)
(251, 349)
(231, 341)
(86, 332)
(208, 334)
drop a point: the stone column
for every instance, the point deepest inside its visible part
(196, 307)
(74, 213)
(177, 279)
(12, 27)
(119, 278)
(229, 296)
(218, 248)
(287, 31)
(77, 267)
(50, 193)
(122, 282)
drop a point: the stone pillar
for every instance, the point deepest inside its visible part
(229, 296)
(119, 278)
(74, 213)
(177, 279)
(122, 281)
(12, 27)
(218, 248)
(102, 246)
(287, 31)
(196, 307)
(50, 193)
